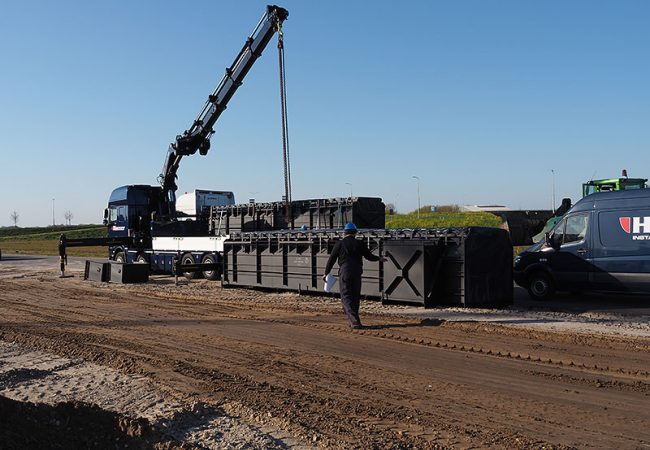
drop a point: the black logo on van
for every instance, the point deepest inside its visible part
(639, 227)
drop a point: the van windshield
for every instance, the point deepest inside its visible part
(576, 228)
(571, 229)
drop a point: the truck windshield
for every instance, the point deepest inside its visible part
(112, 214)
(116, 213)
(588, 189)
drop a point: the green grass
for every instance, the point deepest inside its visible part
(52, 233)
(47, 247)
(443, 220)
(45, 240)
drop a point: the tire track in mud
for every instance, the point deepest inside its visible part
(167, 340)
(387, 417)
(500, 331)
(185, 368)
(295, 407)
(644, 375)
(380, 422)
(562, 363)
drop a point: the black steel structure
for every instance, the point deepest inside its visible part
(116, 272)
(322, 213)
(470, 266)
(128, 273)
(97, 271)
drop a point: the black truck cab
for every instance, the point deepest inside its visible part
(129, 214)
(601, 244)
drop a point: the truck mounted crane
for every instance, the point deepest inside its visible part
(197, 137)
(143, 224)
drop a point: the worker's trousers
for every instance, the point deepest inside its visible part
(351, 293)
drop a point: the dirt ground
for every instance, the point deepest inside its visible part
(95, 365)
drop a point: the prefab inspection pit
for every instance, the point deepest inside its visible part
(467, 266)
(323, 213)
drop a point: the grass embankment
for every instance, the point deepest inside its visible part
(45, 240)
(443, 220)
(447, 219)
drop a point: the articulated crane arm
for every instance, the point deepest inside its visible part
(198, 135)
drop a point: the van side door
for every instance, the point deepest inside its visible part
(621, 254)
(571, 262)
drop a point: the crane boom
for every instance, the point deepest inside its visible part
(197, 137)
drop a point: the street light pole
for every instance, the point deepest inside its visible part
(553, 186)
(350, 184)
(418, 178)
(53, 224)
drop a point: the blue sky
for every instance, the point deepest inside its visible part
(480, 99)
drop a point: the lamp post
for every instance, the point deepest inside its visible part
(350, 184)
(418, 178)
(53, 224)
(553, 189)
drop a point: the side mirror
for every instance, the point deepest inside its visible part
(551, 241)
(105, 221)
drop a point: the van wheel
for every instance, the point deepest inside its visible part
(540, 286)
(119, 257)
(188, 259)
(210, 274)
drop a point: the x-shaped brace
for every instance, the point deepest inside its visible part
(405, 273)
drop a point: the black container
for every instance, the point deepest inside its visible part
(469, 266)
(129, 273)
(97, 271)
(486, 267)
(364, 212)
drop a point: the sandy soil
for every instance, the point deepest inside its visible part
(198, 366)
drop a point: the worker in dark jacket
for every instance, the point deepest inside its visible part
(350, 253)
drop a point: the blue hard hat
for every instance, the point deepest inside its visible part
(350, 228)
(303, 228)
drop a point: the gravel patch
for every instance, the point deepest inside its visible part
(38, 377)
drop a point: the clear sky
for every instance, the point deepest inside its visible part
(479, 99)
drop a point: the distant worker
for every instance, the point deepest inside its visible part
(350, 253)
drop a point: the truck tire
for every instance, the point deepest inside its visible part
(210, 274)
(188, 259)
(119, 257)
(141, 259)
(540, 286)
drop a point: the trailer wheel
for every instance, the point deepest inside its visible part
(141, 259)
(188, 259)
(210, 274)
(119, 257)
(540, 286)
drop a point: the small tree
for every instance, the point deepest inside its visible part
(68, 217)
(14, 218)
